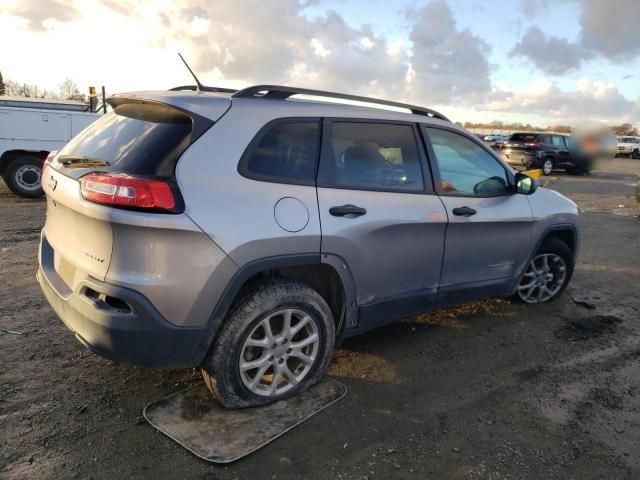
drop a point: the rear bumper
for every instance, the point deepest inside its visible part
(140, 337)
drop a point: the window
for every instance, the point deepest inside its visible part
(524, 137)
(286, 152)
(376, 156)
(137, 138)
(465, 167)
(558, 141)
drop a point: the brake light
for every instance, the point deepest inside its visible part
(51, 156)
(124, 190)
(532, 145)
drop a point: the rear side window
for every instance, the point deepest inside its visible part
(558, 141)
(524, 137)
(285, 152)
(375, 156)
(136, 138)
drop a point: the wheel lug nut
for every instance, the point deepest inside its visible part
(288, 350)
(281, 360)
(271, 358)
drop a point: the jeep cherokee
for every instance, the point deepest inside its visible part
(245, 232)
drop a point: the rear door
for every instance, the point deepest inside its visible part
(379, 214)
(488, 239)
(562, 151)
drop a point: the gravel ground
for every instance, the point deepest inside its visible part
(490, 390)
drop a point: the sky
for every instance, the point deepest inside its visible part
(544, 62)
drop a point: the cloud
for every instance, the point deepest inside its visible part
(591, 100)
(552, 55)
(37, 12)
(447, 63)
(611, 28)
(531, 8)
(243, 41)
(265, 42)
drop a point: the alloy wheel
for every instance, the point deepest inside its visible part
(279, 352)
(547, 167)
(543, 278)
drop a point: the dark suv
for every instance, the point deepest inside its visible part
(547, 151)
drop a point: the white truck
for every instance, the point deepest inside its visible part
(31, 128)
(628, 146)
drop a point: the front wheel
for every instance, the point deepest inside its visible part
(276, 342)
(24, 176)
(635, 154)
(548, 273)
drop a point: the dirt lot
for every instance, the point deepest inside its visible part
(491, 390)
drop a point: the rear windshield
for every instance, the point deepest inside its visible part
(136, 138)
(523, 137)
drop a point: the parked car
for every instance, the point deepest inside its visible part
(628, 146)
(31, 128)
(492, 138)
(245, 233)
(546, 151)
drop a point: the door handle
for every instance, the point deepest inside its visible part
(349, 211)
(464, 211)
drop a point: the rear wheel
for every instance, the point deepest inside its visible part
(547, 166)
(276, 342)
(24, 176)
(548, 273)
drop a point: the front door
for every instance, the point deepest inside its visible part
(488, 240)
(379, 214)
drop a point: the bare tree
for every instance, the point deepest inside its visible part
(2, 88)
(625, 129)
(68, 90)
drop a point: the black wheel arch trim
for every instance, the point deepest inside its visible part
(557, 227)
(252, 268)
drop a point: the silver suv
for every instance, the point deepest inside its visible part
(246, 232)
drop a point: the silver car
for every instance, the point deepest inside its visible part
(246, 232)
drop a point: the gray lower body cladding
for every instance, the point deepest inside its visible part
(131, 330)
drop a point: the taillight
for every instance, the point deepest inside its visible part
(50, 157)
(532, 145)
(127, 191)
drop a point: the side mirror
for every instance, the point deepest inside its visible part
(525, 184)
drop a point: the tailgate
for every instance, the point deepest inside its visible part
(78, 231)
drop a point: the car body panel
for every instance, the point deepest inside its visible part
(394, 249)
(472, 253)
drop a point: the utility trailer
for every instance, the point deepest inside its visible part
(31, 128)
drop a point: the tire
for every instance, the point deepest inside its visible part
(635, 154)
(24, 176)
(269, 302)
(528, 290)
(547, 166)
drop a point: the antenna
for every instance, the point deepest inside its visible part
(198, 84)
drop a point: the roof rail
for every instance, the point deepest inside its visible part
(204, 88)
(280, 92)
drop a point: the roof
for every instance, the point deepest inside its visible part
(281, 92)
(212, 102)
(48, 103)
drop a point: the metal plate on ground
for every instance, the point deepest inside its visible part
(194, 419)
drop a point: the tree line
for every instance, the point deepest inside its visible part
(623, 129)
(67, 90)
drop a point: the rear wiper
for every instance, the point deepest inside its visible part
(80, 161)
